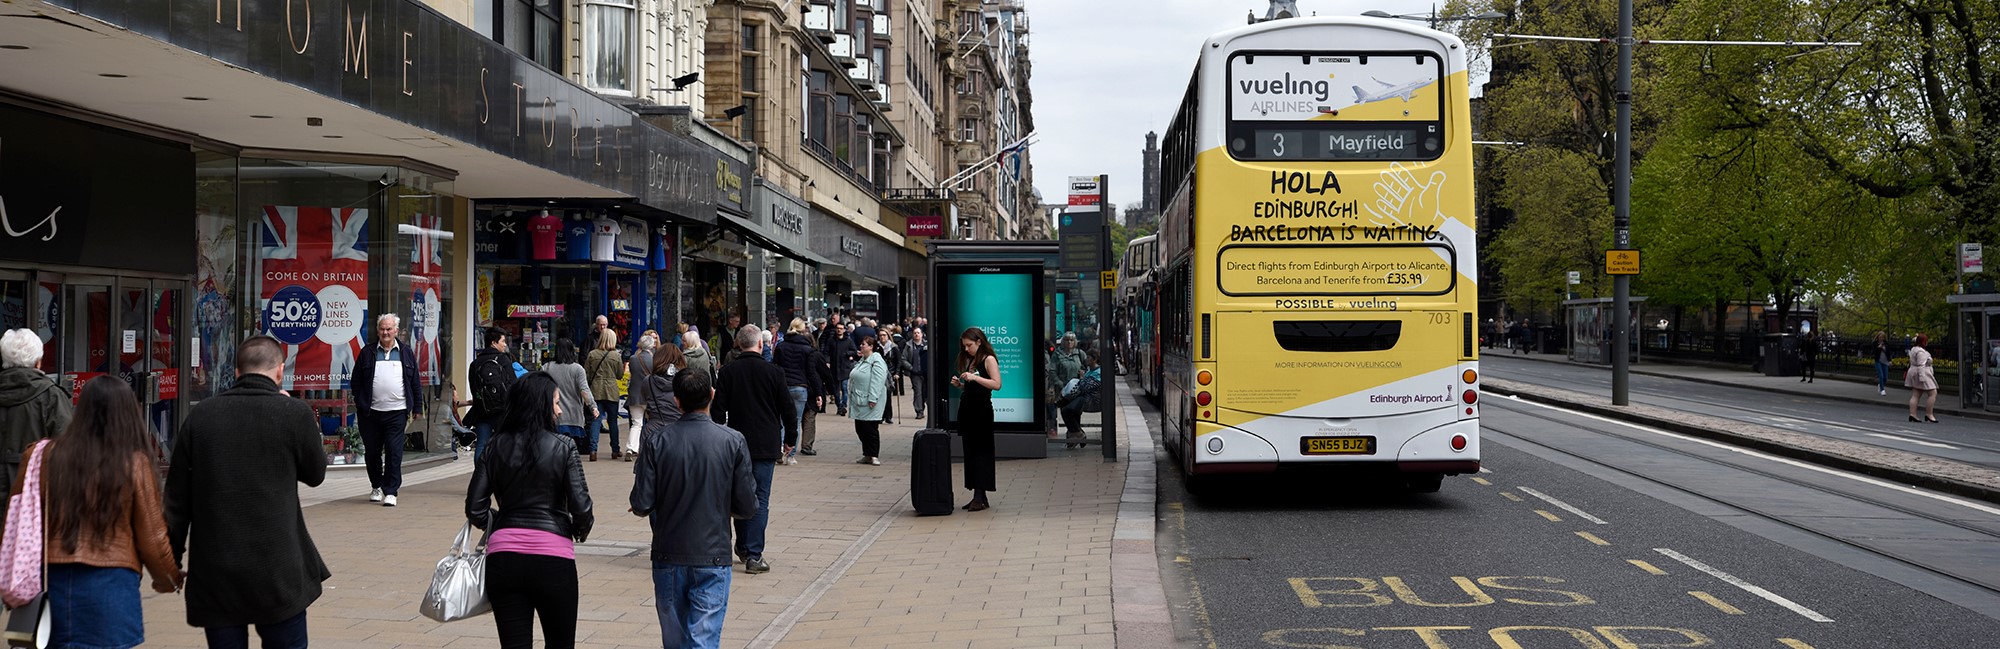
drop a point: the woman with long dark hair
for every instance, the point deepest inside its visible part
(104, 520)
(979, 377)
(544, 510)
(579, 408)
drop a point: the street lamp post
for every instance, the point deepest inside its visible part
(1432, 18)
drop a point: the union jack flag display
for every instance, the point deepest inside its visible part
(426, 293)
(312, 288)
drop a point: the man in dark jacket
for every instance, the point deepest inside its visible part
(750, 397)
(692, 480)
(919, 355)
(491, 376)
(32, 406)
(232, 495)
(386, 393)
(844, 355)
(794, 356)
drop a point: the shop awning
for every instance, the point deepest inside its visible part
(749, 230)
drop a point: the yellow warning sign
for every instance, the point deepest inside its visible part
(1621, 262)
(1107, 279)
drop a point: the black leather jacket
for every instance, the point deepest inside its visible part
(539, 481)
(692, 478)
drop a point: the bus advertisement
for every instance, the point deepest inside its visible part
(1319, 273)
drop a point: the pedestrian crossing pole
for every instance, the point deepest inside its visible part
(1107, 390)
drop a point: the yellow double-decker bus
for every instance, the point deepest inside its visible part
(1320, 270)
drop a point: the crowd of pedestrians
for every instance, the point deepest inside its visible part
(705, 434)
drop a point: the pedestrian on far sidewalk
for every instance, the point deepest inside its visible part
(868, 400)
(545, 510)
(104, 520)
(32, 406)
(886, 347)
(808, 425)
(843, 357)
(635, 391)
(750, 397)
(233, 506)
(386, 393)
(491, 375)
(573, 383)
(1922, 380)
(1881, 348)
(1808, 356)
(606, 367)
(919, 358)
(979, 377)
(693, 480)
(795, 356)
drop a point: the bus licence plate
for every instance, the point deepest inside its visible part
(1337, 446)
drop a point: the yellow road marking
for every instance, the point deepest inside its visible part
(1718, 604)
(1646, 567)
(1511, 496)
(1794, 644)
(1593, 538)
(1545, 514)
(1482, 481)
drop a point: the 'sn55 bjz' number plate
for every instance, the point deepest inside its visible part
(1337, 446)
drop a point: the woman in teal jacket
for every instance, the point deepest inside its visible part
(867, 398)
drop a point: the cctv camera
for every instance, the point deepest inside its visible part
(384, 180)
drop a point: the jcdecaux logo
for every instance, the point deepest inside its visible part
(293, 315)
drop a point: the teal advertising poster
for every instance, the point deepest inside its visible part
(1003, 306)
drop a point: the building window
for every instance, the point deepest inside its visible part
(530, 27)
(750, 37)
(843, 130)
(822, 106)
(609, 38)
(750, 65)
(747, 124)
(880, 57)
(968, 130)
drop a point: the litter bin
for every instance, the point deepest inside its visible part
(1547, 341)
(1780, 355)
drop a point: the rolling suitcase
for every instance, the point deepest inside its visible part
(930, 472)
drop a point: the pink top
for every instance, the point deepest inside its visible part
(526, 541)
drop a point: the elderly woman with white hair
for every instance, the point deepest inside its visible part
(32, 406)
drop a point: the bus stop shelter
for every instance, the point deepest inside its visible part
(1590, 329)
(1977, 328)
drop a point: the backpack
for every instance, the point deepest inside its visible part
(490, 381)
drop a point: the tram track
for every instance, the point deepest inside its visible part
(1991, 586)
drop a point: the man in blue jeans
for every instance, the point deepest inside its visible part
(750, 398)
(692, 479)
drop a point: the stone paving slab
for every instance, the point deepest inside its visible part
(852, 565)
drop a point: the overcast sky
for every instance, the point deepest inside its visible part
(1108, 71)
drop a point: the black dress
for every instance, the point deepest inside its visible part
(975, 425)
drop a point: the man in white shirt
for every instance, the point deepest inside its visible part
(386, 393)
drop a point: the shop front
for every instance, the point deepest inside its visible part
(861, 261)
(546, 273)
(794, 280)
(178, 178)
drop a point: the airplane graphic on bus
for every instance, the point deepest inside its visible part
(1388, 91)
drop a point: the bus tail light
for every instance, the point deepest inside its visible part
(1470, 376)
(1458, 442)
(1204, 377)
(1202, 398)
(1471, 397)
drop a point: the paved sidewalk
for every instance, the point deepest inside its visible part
(852, 565)
(1842, 388)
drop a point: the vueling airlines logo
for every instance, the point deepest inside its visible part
(1286, 86)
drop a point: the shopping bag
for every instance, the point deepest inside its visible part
(21, 548)
(458, 589)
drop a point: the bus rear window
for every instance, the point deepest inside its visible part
(1337, 335)
(1336, 106)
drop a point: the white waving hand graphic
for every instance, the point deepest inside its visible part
(1403, 199)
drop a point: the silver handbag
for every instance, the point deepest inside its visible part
(458, 589)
